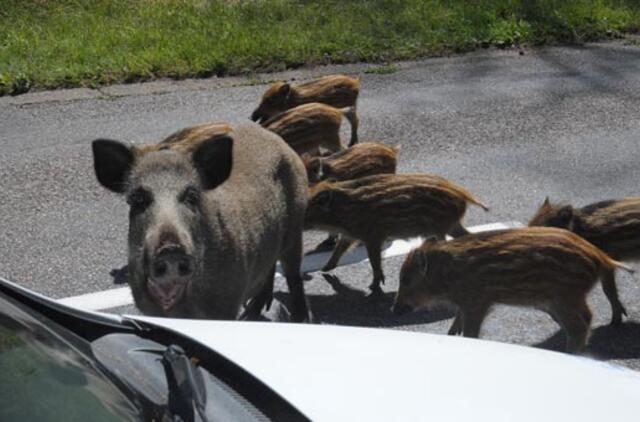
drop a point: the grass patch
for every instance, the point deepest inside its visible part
(383, 70)
(65, 43)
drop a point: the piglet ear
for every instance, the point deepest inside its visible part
(112, 161)
(213, 159)
(286, 90)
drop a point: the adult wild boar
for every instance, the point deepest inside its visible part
(339, 91)
(542, 267)
(207, 227)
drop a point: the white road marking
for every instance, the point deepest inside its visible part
(114, 298)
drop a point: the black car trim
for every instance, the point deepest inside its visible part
(255, 391)
(91, 326)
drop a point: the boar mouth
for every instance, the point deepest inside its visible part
(167, 294)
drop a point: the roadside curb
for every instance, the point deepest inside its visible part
(166, 86)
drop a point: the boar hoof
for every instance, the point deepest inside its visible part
(328, 267)
(302, 317)
(454, 330)
(376, 291)
(251, 313)
(616, 319)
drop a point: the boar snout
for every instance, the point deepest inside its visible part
(170, 271)
(170, 266)
(256, 116)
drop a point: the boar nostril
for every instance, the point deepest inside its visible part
(184, 266)
(159, 268)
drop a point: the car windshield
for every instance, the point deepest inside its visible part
(45, 378)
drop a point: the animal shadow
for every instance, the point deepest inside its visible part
(350, 306)
(606, 342)
(120, 275)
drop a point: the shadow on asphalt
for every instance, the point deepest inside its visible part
(351, 306)
(120, 275)
(593, 79)
(606, 342)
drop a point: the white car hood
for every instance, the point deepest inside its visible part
(334, 373)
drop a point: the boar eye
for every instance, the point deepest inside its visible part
(139, 200)
(190, 197)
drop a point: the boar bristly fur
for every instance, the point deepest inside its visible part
(339, 91)
(186, 140)
(310, 126)
(206, 228)
(613, 225)
(360, 160)
(546, 268)
(375, 208)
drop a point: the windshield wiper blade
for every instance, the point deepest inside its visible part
(187, 391)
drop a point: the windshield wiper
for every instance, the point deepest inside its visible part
(187, 391)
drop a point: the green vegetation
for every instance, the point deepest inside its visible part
(64, 43)
(383, 70)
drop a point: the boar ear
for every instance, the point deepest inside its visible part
(546, 202)
(112, 161)
(213, 160)
(286, 90)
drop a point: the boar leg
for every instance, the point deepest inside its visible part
(574, 317)
(353, 119)
(458, 323)
(374, 250)
(327, 245)
(343, 245)
(610, 290)
(472, 319)
(262, 300)
(291, 261)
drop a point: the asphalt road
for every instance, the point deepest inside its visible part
(562, 122)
